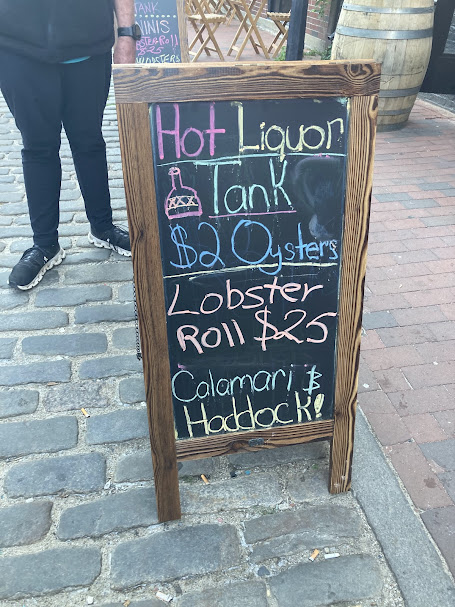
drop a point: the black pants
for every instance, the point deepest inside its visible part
(41, 98)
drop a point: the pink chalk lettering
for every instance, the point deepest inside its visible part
(175, 132)
(201, 142)
(180, 140)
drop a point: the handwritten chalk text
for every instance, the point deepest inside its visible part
(267, 251)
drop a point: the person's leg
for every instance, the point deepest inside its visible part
(85, 91)
(32, 91)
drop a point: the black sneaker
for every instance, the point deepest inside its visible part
(33, 265)
(116, 238)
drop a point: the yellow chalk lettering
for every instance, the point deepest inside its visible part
(304, 408)
(299, 146)
(318, 402)
(190, 423)
(321, 132)
(329, 129)
(261, 412)
(282, 143)
(242, 146)
(278, 418)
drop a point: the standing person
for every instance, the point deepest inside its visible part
(55, 69)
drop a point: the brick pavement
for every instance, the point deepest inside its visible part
(407, 377)
(77, 508)
(408, 346)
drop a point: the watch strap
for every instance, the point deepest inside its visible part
(133, 31)
(125, 31)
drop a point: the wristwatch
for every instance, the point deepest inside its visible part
(134, 31)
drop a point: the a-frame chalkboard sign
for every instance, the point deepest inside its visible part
(164, 32)
(248, 191)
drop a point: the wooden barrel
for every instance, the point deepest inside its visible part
(396, 33)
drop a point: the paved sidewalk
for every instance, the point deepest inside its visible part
(407, 386)
(77, 510)
(407, 383)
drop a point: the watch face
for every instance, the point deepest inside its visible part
(137, 34)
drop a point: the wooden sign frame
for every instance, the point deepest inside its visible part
(183, 31)
(138, 86)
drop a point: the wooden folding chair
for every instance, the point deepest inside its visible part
(190, 12)
(227, 7)
(248, 22)
(237, 6)
(205, 22)
(281, 20)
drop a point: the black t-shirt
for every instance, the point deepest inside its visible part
(56, 30)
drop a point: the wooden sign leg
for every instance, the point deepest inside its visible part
(136, 149)
(166, 478)
(341, 451)
(363, 112)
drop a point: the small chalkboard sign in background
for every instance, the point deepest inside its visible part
(248, 195)
(164, 38)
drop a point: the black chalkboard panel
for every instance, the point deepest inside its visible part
(250, 201)
(160, 42)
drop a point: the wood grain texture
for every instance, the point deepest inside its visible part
(223, 444)
(183, 31)
(136, 150)
(362, 132)
(224, 82)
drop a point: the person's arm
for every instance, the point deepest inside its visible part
(125, 48)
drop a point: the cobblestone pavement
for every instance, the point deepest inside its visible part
(77, 510)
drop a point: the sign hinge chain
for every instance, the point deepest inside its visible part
(136, 325)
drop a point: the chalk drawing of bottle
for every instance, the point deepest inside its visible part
(181, 201)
